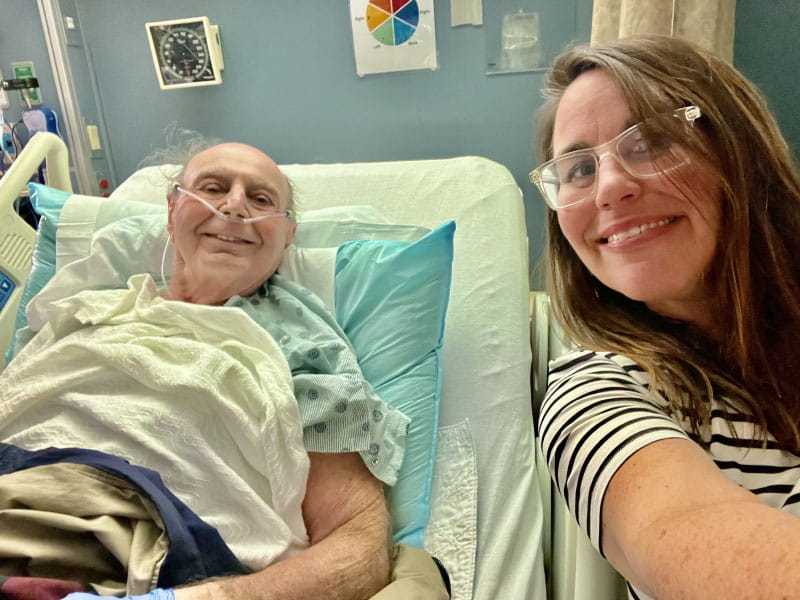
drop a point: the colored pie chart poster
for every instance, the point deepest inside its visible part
(393, 35)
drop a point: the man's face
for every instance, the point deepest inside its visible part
(217, 259)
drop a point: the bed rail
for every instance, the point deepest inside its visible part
(43, 147)
(575, 569)
(17, 237)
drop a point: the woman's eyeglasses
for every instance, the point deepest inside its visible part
(645, 150)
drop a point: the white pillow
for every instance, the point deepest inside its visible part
(310, 260)
(313, 268)
(148, 184)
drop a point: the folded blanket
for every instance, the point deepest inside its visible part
(90, 517)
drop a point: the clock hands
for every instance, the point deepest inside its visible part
(188, 49)
(185, 57)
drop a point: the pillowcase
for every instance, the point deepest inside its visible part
(391, 301)
(147, 184)
(59, 243)
(375, 286)
(332, 233)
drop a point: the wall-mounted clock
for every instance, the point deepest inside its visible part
(186, 52)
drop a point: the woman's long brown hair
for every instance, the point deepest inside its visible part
(752, 362)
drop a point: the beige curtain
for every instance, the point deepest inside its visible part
(708, 23)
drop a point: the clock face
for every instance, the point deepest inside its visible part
(183, 54)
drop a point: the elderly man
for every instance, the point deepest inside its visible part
(236, 387)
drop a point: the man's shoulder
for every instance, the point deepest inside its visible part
(280, 287)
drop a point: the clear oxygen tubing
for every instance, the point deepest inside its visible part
(217, 213)
(163, 262)
(229, 218)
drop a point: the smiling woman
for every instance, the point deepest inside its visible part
(630, 228)
(672, 432)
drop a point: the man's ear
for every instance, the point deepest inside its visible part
(290, 235)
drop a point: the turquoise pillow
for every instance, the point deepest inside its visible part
(391, 301)
(47, 203)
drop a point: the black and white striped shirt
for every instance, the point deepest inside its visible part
(599, 410)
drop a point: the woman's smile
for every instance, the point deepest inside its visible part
(614, 239)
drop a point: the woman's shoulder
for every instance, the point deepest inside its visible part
(582, 361)
(589, 392)
(592, 376)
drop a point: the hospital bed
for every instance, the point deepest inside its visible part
(495, 521)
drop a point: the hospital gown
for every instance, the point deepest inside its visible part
(338, 408)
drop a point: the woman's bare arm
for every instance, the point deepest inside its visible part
(676, 527)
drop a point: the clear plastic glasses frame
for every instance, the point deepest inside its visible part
(643, 150)
(269, 214)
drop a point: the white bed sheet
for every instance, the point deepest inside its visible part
(486, 353)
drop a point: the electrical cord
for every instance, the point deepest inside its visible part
(15, 139)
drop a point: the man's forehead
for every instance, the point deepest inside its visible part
(234, 154)
(220, 171)
(235, 160)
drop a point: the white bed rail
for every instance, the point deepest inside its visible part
(17, 237)
(575, 570)
(43, 147)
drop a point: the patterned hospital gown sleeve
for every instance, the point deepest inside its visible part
(339, 409)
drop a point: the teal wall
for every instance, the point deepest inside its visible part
(290, 85)
(767, 51)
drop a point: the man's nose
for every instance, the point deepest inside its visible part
(235, 202)
(612, 181)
